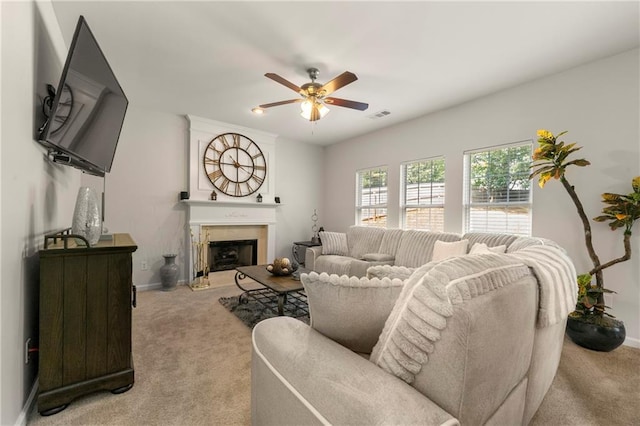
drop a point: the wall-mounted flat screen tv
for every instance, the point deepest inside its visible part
(88, 110)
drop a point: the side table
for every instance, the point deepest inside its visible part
(299, 248)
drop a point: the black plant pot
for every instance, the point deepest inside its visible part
(594, 336)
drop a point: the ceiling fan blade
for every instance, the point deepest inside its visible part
(290, 101)
(346, 103)
(284, 82)
(338, 82)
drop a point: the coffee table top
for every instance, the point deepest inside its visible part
(279, 284)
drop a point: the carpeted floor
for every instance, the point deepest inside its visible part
(192, 362)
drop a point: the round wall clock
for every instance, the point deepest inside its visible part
(234, 164)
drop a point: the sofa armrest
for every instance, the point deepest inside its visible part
(310, 256)
(299, 376)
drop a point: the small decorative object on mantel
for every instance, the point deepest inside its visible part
(590, 326)
(259, 198)
(214, 195)
(277, 200)
(200, 263)
(282, 266)
(316, 237)
(169, 272)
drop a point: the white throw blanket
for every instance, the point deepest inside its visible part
(557, 281)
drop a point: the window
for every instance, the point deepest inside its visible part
(497, 193)
(423, 195)
(371, 197)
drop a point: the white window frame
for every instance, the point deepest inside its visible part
(362, 205)
(508, 227)
(407, 204)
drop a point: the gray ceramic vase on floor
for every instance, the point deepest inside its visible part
(169, 272)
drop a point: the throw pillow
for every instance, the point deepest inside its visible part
(334, 243)
(444, 250)
(350, 310)
(481, 248)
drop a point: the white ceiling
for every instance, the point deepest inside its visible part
(411, 58)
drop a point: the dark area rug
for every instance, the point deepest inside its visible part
(252, 312)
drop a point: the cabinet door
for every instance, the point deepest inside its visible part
(119, 312)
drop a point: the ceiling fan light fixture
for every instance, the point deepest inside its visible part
(258, 110)
(313, 110)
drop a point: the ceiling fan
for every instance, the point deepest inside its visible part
(315, 96)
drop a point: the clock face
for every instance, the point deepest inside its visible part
(64, 109)
(235, 164)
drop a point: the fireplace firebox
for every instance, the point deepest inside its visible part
(227, 255)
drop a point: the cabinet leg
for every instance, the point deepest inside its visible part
(123, 389)
(54, 410)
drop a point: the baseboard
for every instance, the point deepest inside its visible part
(155, 286)
(24, 414)
(631, 342)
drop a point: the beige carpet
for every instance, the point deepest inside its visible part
(192, 363)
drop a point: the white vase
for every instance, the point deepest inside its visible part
(86, 216)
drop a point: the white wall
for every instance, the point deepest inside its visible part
(597, 103)
(298, 184)
(151, 168)
(37, 197)
(141, 195)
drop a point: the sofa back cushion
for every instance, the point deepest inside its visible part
(491, 240)
(416, 247)
(391, 241)
(461, 332)
(363, 240)
(349, 310)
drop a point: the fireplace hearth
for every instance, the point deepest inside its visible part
(227, 255)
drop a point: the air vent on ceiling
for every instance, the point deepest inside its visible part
(379, 114)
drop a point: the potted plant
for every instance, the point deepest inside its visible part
(589, 325)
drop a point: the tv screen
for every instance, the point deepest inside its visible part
(88, 110)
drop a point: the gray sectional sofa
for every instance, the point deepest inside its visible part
(471, 339)
(363, 247)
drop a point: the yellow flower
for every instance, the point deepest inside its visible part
(545, 134)
(621, 216)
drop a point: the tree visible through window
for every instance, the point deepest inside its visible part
(423, 195)
(371, 199)
(498, 190)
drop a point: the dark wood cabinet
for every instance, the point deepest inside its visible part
(86, 298)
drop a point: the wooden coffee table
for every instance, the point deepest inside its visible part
(285, 292)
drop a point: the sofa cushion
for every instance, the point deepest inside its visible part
(482, 248)
(444, 250)
(333, 264)
(427, 300)
(391, 241)
(379, 257)
(363, 239)
(390, 271)
(349, 310)
(457, 325)
(490, 239)
(416, 247)
(334, 243)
